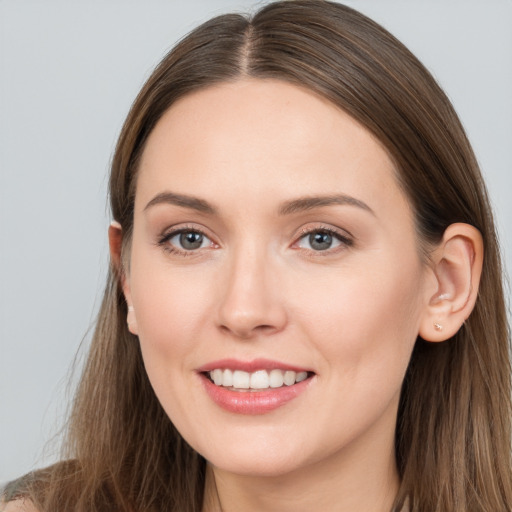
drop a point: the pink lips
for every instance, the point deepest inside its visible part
(251, 402)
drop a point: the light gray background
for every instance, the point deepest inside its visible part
(68, 74)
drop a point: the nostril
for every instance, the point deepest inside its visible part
(248, 332)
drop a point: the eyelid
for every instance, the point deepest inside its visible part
(170, 232)
(345, 238)
(342, 235)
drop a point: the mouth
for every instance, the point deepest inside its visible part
(242, 381)
(255, 387)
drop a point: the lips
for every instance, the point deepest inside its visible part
(254, 387)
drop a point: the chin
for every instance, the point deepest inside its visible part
(265, 459)
(257, 466)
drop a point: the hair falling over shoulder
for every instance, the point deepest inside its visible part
(453, 434)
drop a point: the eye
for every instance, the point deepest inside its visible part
(185, 240)
(322, 240)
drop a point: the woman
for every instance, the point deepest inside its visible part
(299, 312)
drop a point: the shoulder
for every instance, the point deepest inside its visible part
(20, 495)
(57, 488)
(13, 497)
(18, 505)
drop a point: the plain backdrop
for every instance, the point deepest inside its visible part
(69, 71)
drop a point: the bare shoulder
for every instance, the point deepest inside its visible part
(18, 506)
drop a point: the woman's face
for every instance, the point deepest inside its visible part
(270, 236)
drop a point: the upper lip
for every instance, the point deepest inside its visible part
(250, 366)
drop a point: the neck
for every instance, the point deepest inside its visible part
(357, 479)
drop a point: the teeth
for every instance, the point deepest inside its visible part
(227, 378)
(301, 376)
(289, 378)
(276, 379)
(260, 379)
(217, 377)
(241, 380)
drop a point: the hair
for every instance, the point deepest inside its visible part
(453, 429)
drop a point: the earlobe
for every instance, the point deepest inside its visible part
(115, 239)
(131, 320)
(456, 269)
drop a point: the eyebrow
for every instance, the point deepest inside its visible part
(290, 207)
(185, 201)
(311, 202)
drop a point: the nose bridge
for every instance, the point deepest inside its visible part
(250, 299)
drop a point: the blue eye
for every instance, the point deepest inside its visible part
(322, 240)
(186, 240)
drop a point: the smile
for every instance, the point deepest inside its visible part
(254, 387)
(239, 380)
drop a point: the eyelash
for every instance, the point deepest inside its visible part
(345, 241)
(163, 241)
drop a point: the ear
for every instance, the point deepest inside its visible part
(115, 241)
(456, 271)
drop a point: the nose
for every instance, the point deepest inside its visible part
(251, 301)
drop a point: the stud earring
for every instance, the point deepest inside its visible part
(130, 308)
(438, 327)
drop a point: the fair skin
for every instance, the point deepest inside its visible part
(235, 260)
(257, 285)
(18, 506)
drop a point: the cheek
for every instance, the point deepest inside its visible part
(370, 313)
(170, 320)
(361, 327)
(170, 308)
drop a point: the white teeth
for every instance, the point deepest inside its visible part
(260, 379)
(289, 378)
(301, 376)
(217, 377)
(227, 379)
(276, 379)
(241, 380)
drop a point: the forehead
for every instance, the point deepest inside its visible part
(262, 138)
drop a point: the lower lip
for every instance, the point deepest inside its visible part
(253, 402)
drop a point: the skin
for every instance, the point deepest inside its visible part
(20, 505)
(257, 288)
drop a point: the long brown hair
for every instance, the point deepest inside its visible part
(453, 431)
